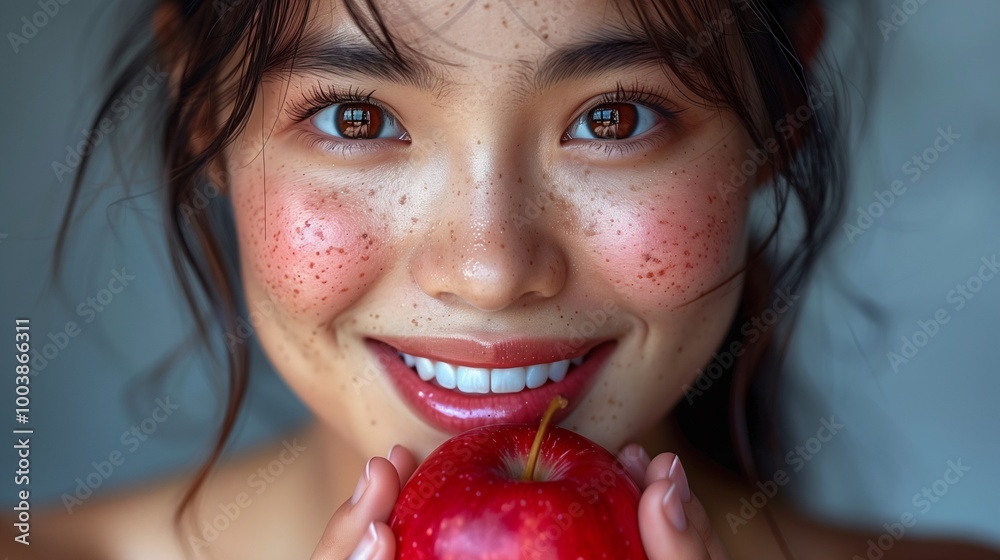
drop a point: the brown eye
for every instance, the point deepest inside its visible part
(359, 121)
(613, 121)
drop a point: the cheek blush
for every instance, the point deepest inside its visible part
(314, 250)
(673, 243)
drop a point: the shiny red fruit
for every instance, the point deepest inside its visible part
(467, 501)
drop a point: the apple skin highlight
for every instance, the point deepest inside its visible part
(467, 501)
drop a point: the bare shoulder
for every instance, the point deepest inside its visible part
(101, 527)
(138, 523)
(127, 523)
(758, 524)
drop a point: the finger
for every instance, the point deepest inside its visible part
(372, 500)
(664, 527)
(662, 467)
(635, 460)
(668, 467)
(701, 524)
(377, 544)
(404, 461)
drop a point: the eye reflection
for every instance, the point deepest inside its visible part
(359, 121)
(614, 121)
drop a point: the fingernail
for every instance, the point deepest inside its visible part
(362, 484)
(679, 477)
(644, 458)
(389, 454)
(673, 508)
(369, 542)
(637, 454)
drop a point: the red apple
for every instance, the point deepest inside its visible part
(470, 499)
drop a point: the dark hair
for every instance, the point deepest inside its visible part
(738, 54)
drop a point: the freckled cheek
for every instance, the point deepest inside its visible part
(309, 251)
(672, 251)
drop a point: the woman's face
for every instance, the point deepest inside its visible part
(532, 191)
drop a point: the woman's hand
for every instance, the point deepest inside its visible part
(672, 522)
(358, 530)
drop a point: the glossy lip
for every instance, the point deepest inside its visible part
(505, 353)
(455, 412)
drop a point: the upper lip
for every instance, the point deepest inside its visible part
(507, 352)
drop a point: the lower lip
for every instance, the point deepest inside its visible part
(455, 412)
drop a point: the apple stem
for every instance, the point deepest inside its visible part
(558, 402)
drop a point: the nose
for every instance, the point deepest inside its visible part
(486, 250)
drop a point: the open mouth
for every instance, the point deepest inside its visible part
(484, 384)
(477, 380)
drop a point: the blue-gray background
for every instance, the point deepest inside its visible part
(939, 69)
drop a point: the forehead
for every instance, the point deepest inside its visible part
(459, 33)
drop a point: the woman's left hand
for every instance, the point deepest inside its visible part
(672, 522)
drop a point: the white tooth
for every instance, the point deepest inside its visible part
(445, 375)
(473, 380)
(509, 380)
(557, 371)
(577, 361)
(536, 375)
(408, 359)
(425, 368)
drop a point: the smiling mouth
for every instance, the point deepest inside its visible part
(477, 380)
(456, 384)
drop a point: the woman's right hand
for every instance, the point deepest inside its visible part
(358, 530)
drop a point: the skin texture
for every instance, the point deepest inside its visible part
(487, 220)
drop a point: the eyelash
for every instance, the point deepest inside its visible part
(321, 96)
(655, 99)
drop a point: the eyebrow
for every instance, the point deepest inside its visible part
(349, 55)
(602, 54)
